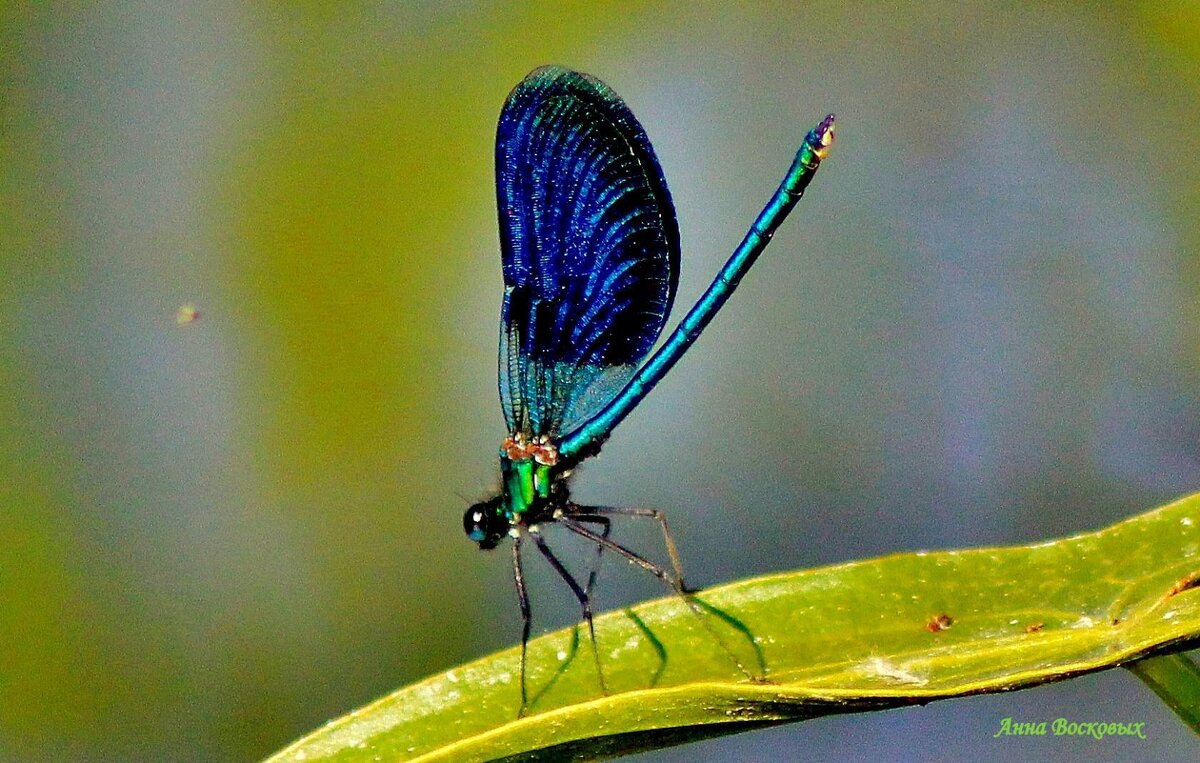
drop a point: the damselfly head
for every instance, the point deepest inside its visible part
(485, 523)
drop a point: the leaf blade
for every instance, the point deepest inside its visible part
(900, 629)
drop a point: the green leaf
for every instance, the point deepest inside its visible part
(1176, 680)
(902, 629)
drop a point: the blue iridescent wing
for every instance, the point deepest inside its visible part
(590, 249)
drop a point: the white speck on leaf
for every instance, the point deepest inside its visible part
(884, 669)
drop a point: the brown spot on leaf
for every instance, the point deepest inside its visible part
(1185, 583)
(939, 622)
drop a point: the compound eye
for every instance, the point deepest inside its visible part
(484, 524)
(475, 523)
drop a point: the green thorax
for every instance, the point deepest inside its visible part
(527, 484)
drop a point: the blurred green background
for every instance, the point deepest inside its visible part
(980, 327)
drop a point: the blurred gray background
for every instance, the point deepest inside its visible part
(979, 328)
